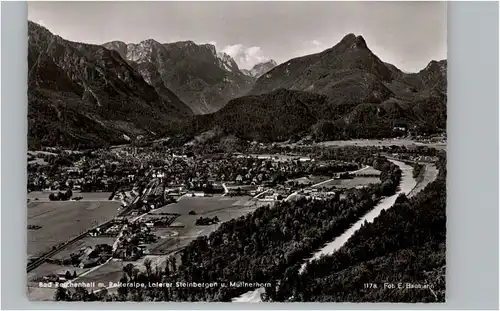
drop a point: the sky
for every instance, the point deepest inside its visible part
(406, 34)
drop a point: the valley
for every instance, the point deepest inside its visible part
(159, 197)
(165, 171)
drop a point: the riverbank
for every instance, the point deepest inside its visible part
(407, 184)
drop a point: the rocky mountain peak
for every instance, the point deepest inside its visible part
(348, 39)
(185, 43)
(34, 27)
(119, 46)
(436, 66)
(204, 79)
(226, 62)
(211, 47)
(359, 42)
(260, 68)
(352, 41)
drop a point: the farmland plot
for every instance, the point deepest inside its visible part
(381, 142)
(351, 183)
(109, 272)
(184, 229)
(200, 205)
(62, 221)
(86, 196)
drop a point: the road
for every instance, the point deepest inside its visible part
(260, 194)
(324, 182)
(226, 191)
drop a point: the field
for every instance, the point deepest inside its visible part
(371, 142)
(201, 205)
(369, 171)
(310, 179)
(380, 142)
(277, 157)
(185, 230)
(171, 239)
(351, 183)
(61, 221)
(87, 196)
(175, 238)
(109, 272)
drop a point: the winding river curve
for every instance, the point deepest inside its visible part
(407, 184)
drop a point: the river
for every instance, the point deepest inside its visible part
(406, 186)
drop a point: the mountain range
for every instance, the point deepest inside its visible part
(83, 94)
(202, 78)
(86, 94)
(343, 92)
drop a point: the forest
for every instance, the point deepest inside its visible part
(404, 245)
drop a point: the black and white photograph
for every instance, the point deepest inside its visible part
(266, 151)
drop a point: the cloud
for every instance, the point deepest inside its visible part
(245, 57)
(310, 47)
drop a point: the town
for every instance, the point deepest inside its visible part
(94, 214)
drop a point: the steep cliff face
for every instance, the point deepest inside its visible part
(86, 94)
(260, 69)
(203, 78)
